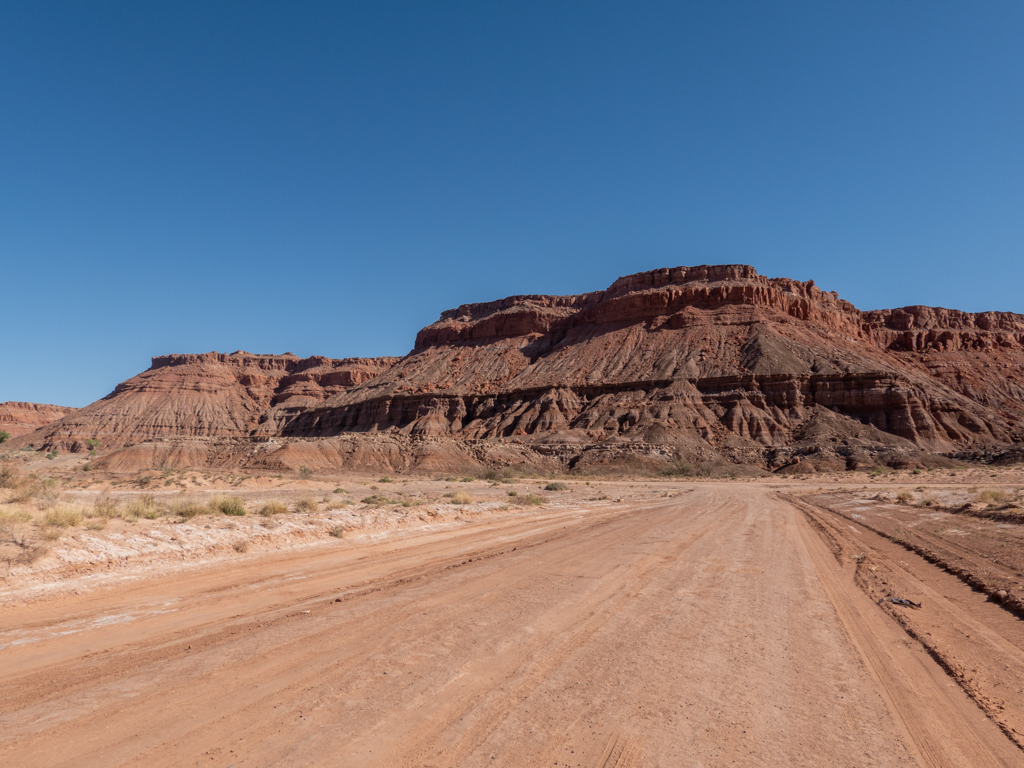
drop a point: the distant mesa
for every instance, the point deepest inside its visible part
(707, 364)
(21, 418)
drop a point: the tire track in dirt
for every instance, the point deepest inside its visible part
(950, 612)
(946, 729)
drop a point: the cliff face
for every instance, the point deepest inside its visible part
(208, 395)
(21, 418)
(713, 354)
(715, 362)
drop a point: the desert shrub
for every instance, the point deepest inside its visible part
(306, 504)
(460, 497)
(9, 477)
(241, 546)
(467, 480)
(189, 508)
(305, 472)
(142, 506)
(556, 487)
(385, 479)
(337, 532)
(513, 493)
(105, 507)
(376, 501)
(904, 497)
(47, 493)
(4, 436)
(679, 469)
(411, 502)
(504, 476)
(87, 467)
(228, 505)
(273, 507)
(529, 500)
(989, 496)
(92, 443)
(10, 516)
(62, 517)
(339, 490)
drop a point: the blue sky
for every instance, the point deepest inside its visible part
(326, 178)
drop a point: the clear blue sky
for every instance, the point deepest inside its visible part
(326, 178)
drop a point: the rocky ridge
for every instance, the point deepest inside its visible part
(709, 363)
(21, 418)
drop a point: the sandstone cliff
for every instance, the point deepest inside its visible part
(699, 357)
(712, 363)
(208, 395)
(21, 418)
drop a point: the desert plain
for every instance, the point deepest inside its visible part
(358, 619)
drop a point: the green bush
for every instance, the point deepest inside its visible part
(305, 472)
(4, 436)
(92, 443)
(556, 487)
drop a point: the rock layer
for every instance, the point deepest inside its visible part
(21, 418)
(718, 356)
(710, 362)
(208, 395)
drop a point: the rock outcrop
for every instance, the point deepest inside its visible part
(704, 357)
(21, 418)
(208, 395)
(710, 363)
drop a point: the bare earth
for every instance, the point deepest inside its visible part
(714, 628)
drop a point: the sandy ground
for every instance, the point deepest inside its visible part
(700, 624)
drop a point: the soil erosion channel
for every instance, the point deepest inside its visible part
(713, 628)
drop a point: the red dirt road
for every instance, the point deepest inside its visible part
(714, 628)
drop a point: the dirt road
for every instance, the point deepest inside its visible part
(714, 628)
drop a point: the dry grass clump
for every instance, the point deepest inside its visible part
(188, 508)
(459, 497)
(227, 505)
(992, 497)
(337, 504)
(556, 487)
(376, 501)
(337, 532)
(241, 546)
(529, 500)
(105, 507)
(62, 517)
(10, 478)
(273, 507)
(904, 497)
(306, 504)
(143, 506)
(13, 516)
